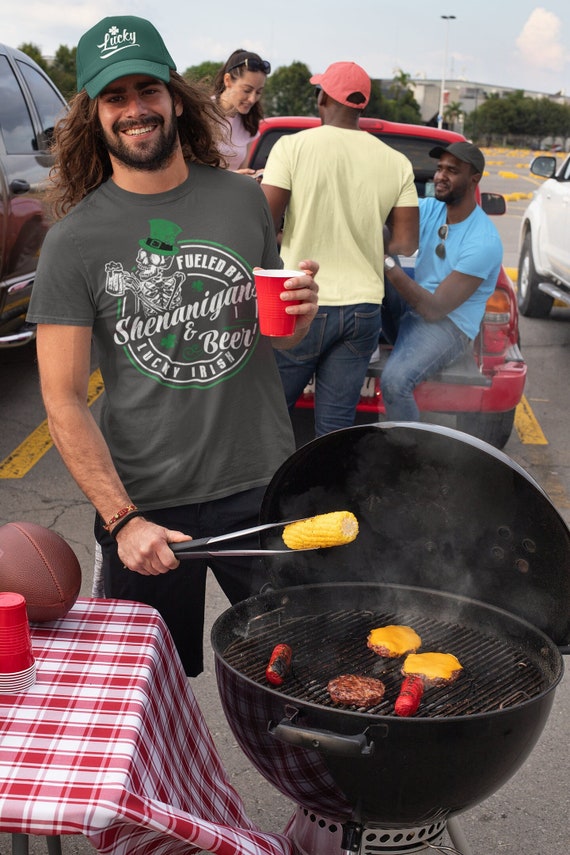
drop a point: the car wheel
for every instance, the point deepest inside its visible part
(533, 303)
(494, 428)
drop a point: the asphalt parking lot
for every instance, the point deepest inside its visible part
(507, 172)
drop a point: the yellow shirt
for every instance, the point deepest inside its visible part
(343, 184)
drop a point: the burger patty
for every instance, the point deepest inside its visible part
(353, 689)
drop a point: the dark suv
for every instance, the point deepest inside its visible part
(482, 389)
(29, 107)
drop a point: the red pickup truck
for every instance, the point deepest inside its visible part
(482, 389)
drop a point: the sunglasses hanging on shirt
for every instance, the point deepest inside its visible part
(442, 233)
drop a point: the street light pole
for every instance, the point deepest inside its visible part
(447, 19)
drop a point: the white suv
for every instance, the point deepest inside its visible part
(544, 246)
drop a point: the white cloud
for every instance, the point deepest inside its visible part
(540, 42)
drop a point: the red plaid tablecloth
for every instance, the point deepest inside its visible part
(110, 743)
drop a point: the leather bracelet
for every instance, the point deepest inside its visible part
(124, 520)
(119, 515)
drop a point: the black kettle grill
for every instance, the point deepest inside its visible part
(455, 540)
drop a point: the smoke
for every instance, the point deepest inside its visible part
(540, 41)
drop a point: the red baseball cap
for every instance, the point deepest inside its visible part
(344, 81)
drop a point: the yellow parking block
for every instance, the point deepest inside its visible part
(527, 426)
(517, 196)
(33, 448)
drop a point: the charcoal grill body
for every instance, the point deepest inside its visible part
(449, 528)
(372, 766)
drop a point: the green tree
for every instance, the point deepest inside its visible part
(401, 83)
(518, 119)
(453, 113)
(203, 73)
(34, 52)
(63, 70)
(376, 106)
(400, 105)
(289, 92)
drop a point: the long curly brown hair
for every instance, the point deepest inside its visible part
(252, 119)
(82, 162)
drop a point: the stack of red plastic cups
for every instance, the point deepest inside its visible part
(17, 663)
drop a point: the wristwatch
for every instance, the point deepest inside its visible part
(389, 263)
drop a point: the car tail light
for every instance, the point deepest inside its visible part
(497, 322)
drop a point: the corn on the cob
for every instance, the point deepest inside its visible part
(332, 529)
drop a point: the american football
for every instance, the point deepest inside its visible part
(38, 564)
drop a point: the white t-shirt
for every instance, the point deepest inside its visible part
(234, 148)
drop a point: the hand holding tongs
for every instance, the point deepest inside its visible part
(196, 548)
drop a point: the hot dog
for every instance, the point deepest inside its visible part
(279, 663)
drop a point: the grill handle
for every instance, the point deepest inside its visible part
(326, 741)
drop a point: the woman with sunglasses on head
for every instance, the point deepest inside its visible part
(437, 315)
(238, 87)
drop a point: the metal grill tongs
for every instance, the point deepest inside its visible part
(196, 548)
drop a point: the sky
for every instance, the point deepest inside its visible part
(512, 43)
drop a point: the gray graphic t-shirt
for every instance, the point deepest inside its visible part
(194, 407)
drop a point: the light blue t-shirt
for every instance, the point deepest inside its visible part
(472, 247)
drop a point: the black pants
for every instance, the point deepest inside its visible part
(179, 595)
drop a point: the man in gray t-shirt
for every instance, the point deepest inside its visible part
(153, 260)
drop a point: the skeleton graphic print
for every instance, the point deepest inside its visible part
(170, 305)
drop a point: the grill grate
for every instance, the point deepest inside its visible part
(497, 674)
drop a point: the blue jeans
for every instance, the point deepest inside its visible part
(337, 350)
(422, 349)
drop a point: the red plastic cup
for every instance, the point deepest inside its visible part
(273, 319)
(15, 640)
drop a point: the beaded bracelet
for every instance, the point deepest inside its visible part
(119, 515)
(124, 520)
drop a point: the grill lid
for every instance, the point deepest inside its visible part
(436, 509)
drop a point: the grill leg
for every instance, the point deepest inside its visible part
(458, 839)
(54, 844)
(20, 844)
(351, 837)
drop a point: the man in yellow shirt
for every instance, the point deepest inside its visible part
(339, 186)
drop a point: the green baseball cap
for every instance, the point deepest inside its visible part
(118, 46)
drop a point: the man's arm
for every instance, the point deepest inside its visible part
(452, 291)
(64, 354)
(401, 237)
(278, 199)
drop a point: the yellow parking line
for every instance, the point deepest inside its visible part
(527, 426)
(33, 448)
(23, 458)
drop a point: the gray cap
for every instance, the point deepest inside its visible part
(465, 151)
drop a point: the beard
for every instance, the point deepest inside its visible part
(447, 196)
(148, 156)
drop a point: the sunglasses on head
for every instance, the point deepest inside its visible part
(442, 233)
(253, 64)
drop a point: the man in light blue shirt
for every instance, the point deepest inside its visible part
(438, 313)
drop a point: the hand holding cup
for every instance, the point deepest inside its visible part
(287, 299)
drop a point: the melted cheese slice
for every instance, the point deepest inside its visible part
(396, 639)
(432, 666)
